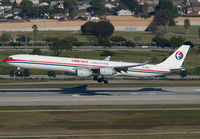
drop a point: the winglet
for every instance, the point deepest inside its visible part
(107, 58)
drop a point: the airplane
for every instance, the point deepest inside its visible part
(99, 69)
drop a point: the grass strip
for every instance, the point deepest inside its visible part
(118, 122)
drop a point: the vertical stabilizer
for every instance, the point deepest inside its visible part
(177, 58)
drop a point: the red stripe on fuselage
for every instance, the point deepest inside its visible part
(149, 70)
(15, 60)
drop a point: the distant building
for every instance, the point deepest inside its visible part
(111, 3)
(8, 15)
(44, 4)
(17, 17)
(194, 1)
(17, 1)
(35, 2)
(59, 16)
(82, 13)
(5, 8)
(149, 2)
(193, 11)
(110, 6)
(125, 13)
(16, 11)
(83, 4)
(57, 4)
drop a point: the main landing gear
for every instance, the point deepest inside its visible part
(100, 80)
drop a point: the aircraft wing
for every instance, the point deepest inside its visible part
(125, 68)
(119, 68)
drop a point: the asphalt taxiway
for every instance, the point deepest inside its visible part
(99, 96)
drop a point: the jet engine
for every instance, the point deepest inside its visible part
(106, 71)
(83, 72)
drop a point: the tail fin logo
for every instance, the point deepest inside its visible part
(179, 55)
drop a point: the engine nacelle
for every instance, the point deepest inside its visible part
(83, 72)
(106, 71)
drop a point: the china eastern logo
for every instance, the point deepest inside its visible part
(179, 55)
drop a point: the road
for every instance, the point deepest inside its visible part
(99, 96)
(104, 135)
(90, 49)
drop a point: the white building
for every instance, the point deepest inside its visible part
(194, 1)
(110, 6)
(35, 2)
(17, 1)
(124, 13)
(44, 4)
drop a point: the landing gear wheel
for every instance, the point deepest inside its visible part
(95, 78)
(100, 80)
(105, 81)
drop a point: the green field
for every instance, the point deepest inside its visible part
(101, 122)
(178, 29)
(145, 37)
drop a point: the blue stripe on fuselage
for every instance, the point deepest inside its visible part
(81, 66)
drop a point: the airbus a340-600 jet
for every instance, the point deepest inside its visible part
(99, 69)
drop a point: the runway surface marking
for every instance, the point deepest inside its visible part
(100, 96)
(102, 135)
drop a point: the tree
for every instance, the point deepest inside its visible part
(189, 43)
(165, 18)
(176, 41)
(166, 5)
(70, 5)
(129, 44)
(98, 9)
(130, 4)
(4, 38)
(137, 39)
(117, 39)
(27, 8)
(36, 51)
(35, 29)
(103, 29)
(87, 28)
(199, 32)
(58, 45)
(165, 13)
(161, 42)
(93, 2)
(187, 25)
(23, 38)
(104, 42)
(107, 53)
(6, 2)
(152, 27)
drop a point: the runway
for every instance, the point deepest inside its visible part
(99, 96)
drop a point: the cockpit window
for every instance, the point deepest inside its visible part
(9, 57)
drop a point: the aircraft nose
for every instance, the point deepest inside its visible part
(5, 60)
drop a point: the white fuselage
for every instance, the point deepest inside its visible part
(70, 65)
